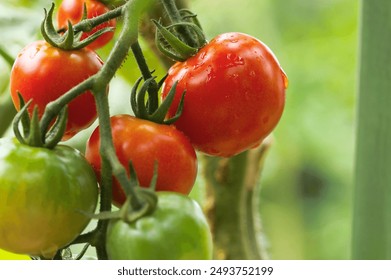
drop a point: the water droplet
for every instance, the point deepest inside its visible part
(210, 73)
(234, 60)
(198, 65)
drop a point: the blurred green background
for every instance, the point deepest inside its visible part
(307, 179)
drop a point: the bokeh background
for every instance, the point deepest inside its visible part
(306, 198)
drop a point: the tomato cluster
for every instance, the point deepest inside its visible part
(232, 92)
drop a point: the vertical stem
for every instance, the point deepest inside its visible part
(153, 94)
(175, 17)
(233, 208)
(372, 202)
(106, 176)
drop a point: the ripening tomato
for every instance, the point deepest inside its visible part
(144, 143)
(43, 73)
(235, 94)
(43, 194)
(72, 10)
(176, 230)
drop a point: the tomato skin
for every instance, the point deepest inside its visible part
(144, 142)
(235, 94)
(41, 195)
(44, 73)
(72, 10)
(176, 230)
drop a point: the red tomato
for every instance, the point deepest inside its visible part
(235, 94)
(72, 10)
(44, 73)
(144, 142)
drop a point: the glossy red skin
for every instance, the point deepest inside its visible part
(235, 94)
(144, 142)
(44, 73)
(72, 10)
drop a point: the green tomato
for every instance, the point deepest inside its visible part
(42, 196)
(176, 230)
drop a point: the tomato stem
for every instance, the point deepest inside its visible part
(176, 17)
(371, 229)
(234, 214)
(153, 88)
(87, 25)
(110, 162)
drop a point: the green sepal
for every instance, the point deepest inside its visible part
(70, 40)
(188, 15)
(127, 212)
(35, 138)
(22, 117)
(178, 112)
(33, 133)
(57, 131)
(146, 196)
(140, 110)
(170, 45)
(133, 97)
(161, 112)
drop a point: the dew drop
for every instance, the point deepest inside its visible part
(234, 60)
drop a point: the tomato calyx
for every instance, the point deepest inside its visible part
(143, 110)
(171, 40)
(127, 212)
(140, 201)
(34, 133)
(71, 38)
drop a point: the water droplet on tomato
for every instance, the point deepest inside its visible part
(234, 60)
(210, 73)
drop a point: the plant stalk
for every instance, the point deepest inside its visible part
(153, 95)
(174, 14)
(233, 204)
(371, 237)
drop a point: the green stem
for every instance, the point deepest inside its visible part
(233, 208)
(53, 108)
(175, 17)
(106, 146)
(153, 94)
(88, 24)
(372, 202)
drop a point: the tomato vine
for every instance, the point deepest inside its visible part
(180, 40)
